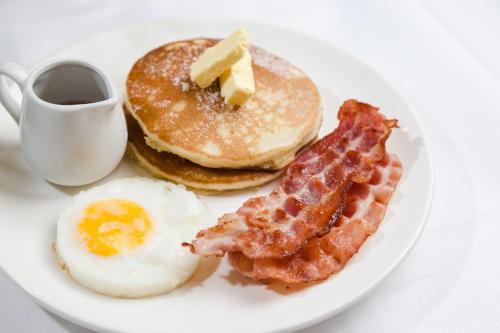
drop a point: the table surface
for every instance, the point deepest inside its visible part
(444, 59)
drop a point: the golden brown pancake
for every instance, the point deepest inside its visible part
(179, 117)
(172, 167)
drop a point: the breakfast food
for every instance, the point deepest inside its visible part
(313, 190)
(172, 167)
(223, 115)
(311, 198)
(322, 256)
(123, 238)
(179, 117)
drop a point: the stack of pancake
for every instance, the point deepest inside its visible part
(183, 133)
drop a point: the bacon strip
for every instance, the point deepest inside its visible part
(310, 197)
(324, 256)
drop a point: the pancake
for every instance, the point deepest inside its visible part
(174, 168)
(179, 117)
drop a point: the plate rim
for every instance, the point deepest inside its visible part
(355, 297)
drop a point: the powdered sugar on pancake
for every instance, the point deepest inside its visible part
(284, 110)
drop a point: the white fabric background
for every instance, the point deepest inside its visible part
(443, 57)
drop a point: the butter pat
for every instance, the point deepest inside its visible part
(217, 59)
(237, 84)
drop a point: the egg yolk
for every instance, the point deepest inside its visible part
(110, 226)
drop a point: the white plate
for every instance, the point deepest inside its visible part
(216, 298)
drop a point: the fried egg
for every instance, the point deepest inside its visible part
(123, 238)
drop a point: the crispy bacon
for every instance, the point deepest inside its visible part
(323, 256)
(310, 197)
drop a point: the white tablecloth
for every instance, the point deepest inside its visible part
(443, 57)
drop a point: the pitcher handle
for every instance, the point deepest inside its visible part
(7, 98)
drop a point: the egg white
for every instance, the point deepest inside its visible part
(152, 268)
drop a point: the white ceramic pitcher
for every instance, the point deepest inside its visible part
(71, 131)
